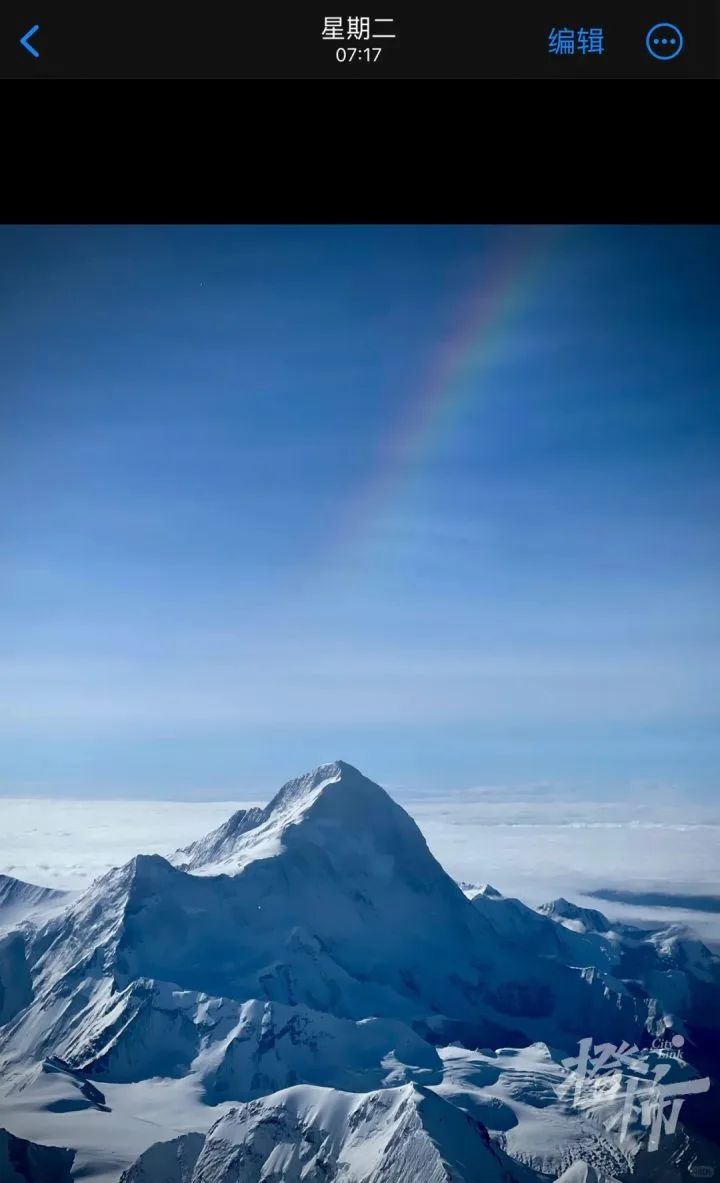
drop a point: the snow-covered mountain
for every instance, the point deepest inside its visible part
(519, 1095)
(330, 899)
(506, 1115)
(679, 974)
(233, 1050)
(22, 905)
(19, 900)
(669, 967)
(575, 918)
(312, 961)
(306, 1133)
(582, 1172)
(522, 927)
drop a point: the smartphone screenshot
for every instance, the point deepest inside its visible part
(553, 39)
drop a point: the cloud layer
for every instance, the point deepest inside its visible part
(537, 847)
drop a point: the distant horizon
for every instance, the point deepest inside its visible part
(630, 792)
(409, 777)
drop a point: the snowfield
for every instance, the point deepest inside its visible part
(324, 1134)
(305, 994)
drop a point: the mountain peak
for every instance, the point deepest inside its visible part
(563, 910)
(306, 788)
(333, 772)
(333, 791)
(314, 1132)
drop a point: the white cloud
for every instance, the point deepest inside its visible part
(67, 843)
(536, 846)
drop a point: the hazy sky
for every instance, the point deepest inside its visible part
(442, 502)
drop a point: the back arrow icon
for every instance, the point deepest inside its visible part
(25, 41)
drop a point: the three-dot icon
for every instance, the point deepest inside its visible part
(664, 41)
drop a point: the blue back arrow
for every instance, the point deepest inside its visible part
(25, 41)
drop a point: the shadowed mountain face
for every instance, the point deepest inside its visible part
(25, 1162)
(21, 905)
(674, 968)
(328, 898)
(15, 981)
(318, 942)
(309, 1133)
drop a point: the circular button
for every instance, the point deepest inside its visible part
(664, 41)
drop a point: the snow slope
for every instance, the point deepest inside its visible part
(330, 900)
(671, 968)
(575, 918)
(314, 950)
(20, 901)
(675, 969)
(21, 905)
(514, 1092)
(306, 1133)
(582, 1172)
(171, 1162)
(521, 926)
(235, 1050)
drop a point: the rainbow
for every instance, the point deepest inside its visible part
(452, 386)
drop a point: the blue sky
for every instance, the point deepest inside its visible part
(218, 567)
